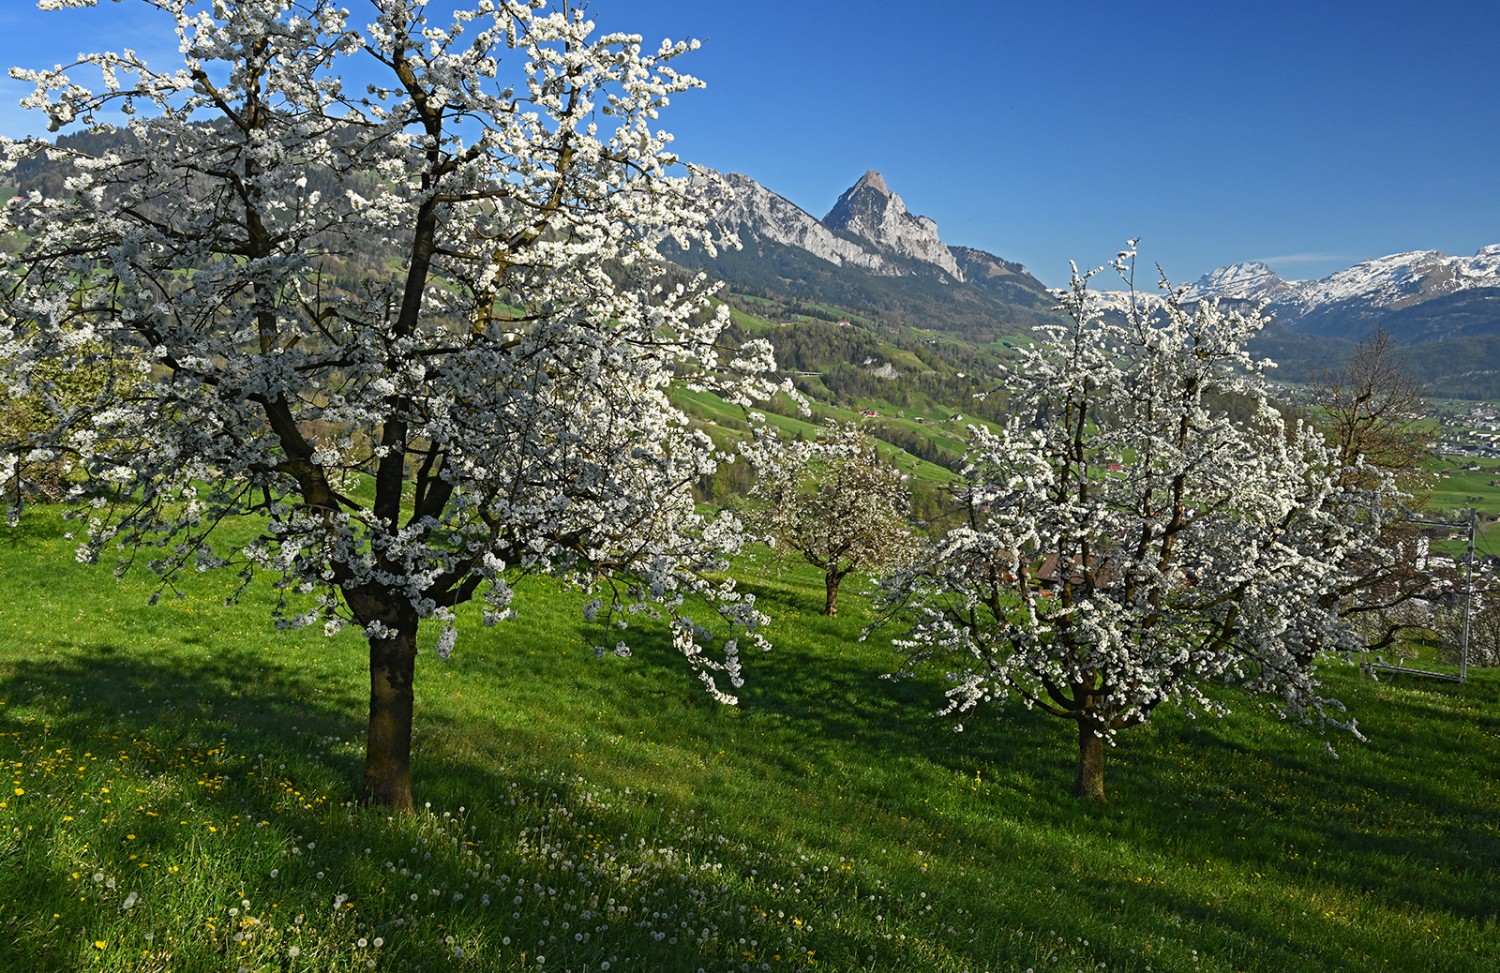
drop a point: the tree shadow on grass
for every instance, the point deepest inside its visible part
(541, 843)
(236, 691)
(830, 698)
(1383, 820)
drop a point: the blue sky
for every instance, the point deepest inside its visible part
(1309, 135)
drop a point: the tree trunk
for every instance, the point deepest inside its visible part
(831, 582)
(393, 661)
(1089, 784)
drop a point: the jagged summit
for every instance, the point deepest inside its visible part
(870, 256)
(752, 210)
(870, 211)
(871, 180)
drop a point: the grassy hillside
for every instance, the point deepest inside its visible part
(914, 390)
(180, 777)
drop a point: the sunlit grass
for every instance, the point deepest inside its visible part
(179, 779)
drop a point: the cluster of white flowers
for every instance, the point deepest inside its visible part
(1129, 539)
(423, 331)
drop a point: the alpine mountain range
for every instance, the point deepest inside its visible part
(871, 254)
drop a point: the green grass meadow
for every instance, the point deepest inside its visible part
(180, 779)
(1458, 490)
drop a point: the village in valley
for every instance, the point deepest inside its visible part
(1469, 429)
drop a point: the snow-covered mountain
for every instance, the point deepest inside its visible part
(1423, 295)
(1403, 279)
(1242, 282)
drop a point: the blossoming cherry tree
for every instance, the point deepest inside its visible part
(388, 285)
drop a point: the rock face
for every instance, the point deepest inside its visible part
(869, 228)
(870, 211)
(754, 210)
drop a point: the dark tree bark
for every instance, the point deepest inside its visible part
(831, 581)
(393, 659)
(1089, 784)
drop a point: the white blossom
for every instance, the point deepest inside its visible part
(1144, 524)
(422, 332)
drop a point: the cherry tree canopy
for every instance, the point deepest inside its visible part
(415, 322)
(1129, 542)
(833, 501)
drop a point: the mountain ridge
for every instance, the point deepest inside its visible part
(870, 254)
(1416, 296)
(873, 257)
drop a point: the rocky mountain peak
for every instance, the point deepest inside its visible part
(868, 231)
(752, 211)
(869, 211)
(872, 180)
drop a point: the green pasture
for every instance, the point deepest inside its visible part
(730, 423)
(1455, 490)
(180, 777)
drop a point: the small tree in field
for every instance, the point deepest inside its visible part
(415, 325)
(1372, 409)
(1371, 414)
(835, 502)
(1127, 543)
